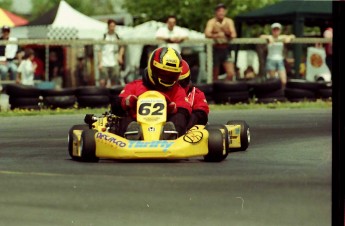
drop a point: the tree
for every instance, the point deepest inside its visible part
(190, 13)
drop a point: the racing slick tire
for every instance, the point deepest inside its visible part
(215, 146)
(70, 139)
(88, 146)
(225, 134)
(244, 134)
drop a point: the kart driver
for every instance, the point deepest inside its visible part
(196, 98)
(162, 74)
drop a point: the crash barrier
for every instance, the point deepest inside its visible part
(207, 65)
(220, 92)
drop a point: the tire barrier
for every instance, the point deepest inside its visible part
(23, 97)
(220, 92)
(61, 98)
(230, 92)
(93, 97)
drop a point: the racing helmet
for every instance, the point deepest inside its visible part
(184, 78)
(164, 67)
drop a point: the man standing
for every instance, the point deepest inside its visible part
(221, 29)
(7, 55)
(171, 34)
(111, 57)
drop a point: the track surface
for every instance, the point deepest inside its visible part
(284, 178)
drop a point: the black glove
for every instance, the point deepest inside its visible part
(197, 117)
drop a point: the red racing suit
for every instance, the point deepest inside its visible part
(200, 109)
(175, 94)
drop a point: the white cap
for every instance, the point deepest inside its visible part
(276, 25)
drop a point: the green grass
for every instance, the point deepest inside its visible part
(250, 106)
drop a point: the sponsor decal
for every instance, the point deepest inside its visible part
(164, 144)
(237, 130)
(193, 136)
(110, 139)
(151, 129)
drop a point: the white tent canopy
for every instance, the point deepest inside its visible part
(68, 24)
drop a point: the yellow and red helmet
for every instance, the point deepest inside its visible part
(164, 67)
(184, 78)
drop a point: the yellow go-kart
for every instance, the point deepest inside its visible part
(96, 139)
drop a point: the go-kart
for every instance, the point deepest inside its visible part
(96, 139)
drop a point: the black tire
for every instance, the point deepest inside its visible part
(324, 93)
(116, 90)
(302, 84)
(228, 86)
(16, 90)
(88, 146)
(70, 139)
(245, 135)
(231, 97)
(93, 101)
(59, 101)
(215, 146)
(267, 86)
(58, 92)
(268, 100)
(91, 91)
(299, 94)
(24, 103)
(226, 138)
(270, 94)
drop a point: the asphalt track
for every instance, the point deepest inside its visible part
(284, 178)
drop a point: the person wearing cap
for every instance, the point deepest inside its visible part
(196, 98)
(275, 52)
(7, 55)
(221, 29)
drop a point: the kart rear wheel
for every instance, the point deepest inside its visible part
(70, 139)
(225, 134)
(88, 146)
(215, 146)
(245, 134)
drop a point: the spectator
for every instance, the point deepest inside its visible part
(111, 57)
(249, 73)
(39, 72)
(221, 29)
(328, 33)
(26, 69)
(55, 69)
(81, 72)
(7, 55)
(275, 56)
(171, 34)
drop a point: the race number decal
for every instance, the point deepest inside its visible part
(151, 108)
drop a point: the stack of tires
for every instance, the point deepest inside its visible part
(92, 97)
(300, 90)
(23, 97)
(324, 90)
(268, 91)
(230, 92)
(62, 98)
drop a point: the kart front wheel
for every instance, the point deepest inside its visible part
(70, 139)
(88, 146)
(216, 152)
(244, 134)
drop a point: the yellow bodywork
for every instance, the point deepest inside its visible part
(108, 145)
